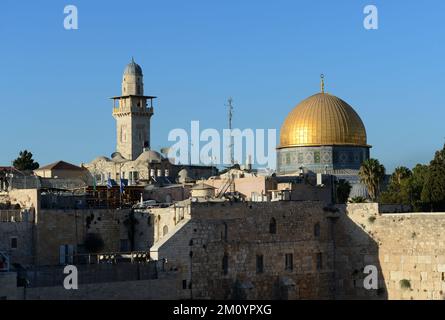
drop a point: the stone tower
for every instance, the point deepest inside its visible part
(132, 111)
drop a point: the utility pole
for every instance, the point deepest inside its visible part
(230, 109)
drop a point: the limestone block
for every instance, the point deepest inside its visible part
(424, 259)
(396, 275)
(441, 267)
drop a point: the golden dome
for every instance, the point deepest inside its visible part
(322, 119)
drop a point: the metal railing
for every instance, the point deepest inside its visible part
(4, 262)
(49, 276)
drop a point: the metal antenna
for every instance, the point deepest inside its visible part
(230, 108)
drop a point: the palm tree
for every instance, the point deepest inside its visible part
(399, 174)
(371, 175)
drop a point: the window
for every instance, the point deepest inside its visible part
(287, 158)
(319, 261)
(289, 262)
(184, 284)
(164, 230)
(317, 230)
(225, 264)
(273, 226)
(66, 254)
(14, 243)
(259, 264)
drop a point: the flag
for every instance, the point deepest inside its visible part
(123, 184)
(109, 183)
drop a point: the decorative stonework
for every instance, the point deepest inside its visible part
(319, 159)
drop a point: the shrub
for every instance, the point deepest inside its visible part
(357, 200)
(405, 284)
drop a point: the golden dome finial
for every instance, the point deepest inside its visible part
(322, 82)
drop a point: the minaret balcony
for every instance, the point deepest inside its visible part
(126, 110)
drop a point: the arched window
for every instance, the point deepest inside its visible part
(225, 264)
(164, 230)
(317, 230)
(273, 226)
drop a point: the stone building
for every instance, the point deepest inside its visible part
(322, 134)
(63, 170)
(134, 161)
(132, 114)
(244, 250)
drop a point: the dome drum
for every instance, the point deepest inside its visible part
(320, 159)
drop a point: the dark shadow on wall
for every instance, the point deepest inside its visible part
(356, 259)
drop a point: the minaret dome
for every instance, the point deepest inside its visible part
(132, 81)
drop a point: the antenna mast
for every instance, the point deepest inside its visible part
(230, 109)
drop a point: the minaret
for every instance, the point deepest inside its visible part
(132, 114)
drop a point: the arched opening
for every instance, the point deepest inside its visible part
(273, 226)
(164, 230)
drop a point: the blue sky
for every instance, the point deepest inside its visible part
(267, 55)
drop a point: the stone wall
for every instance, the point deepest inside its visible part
(8, 286)
(69, 227)
(26, 198)
(23, 233)
(410, 249)
(241, 232)
(168, 194)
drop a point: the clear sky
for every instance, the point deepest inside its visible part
(267, 55)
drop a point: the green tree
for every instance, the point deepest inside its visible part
(400, 174)
(433, 192)
(415, 186)
(25, 162)
(343, 190)
(371, 175)
(398, 190)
